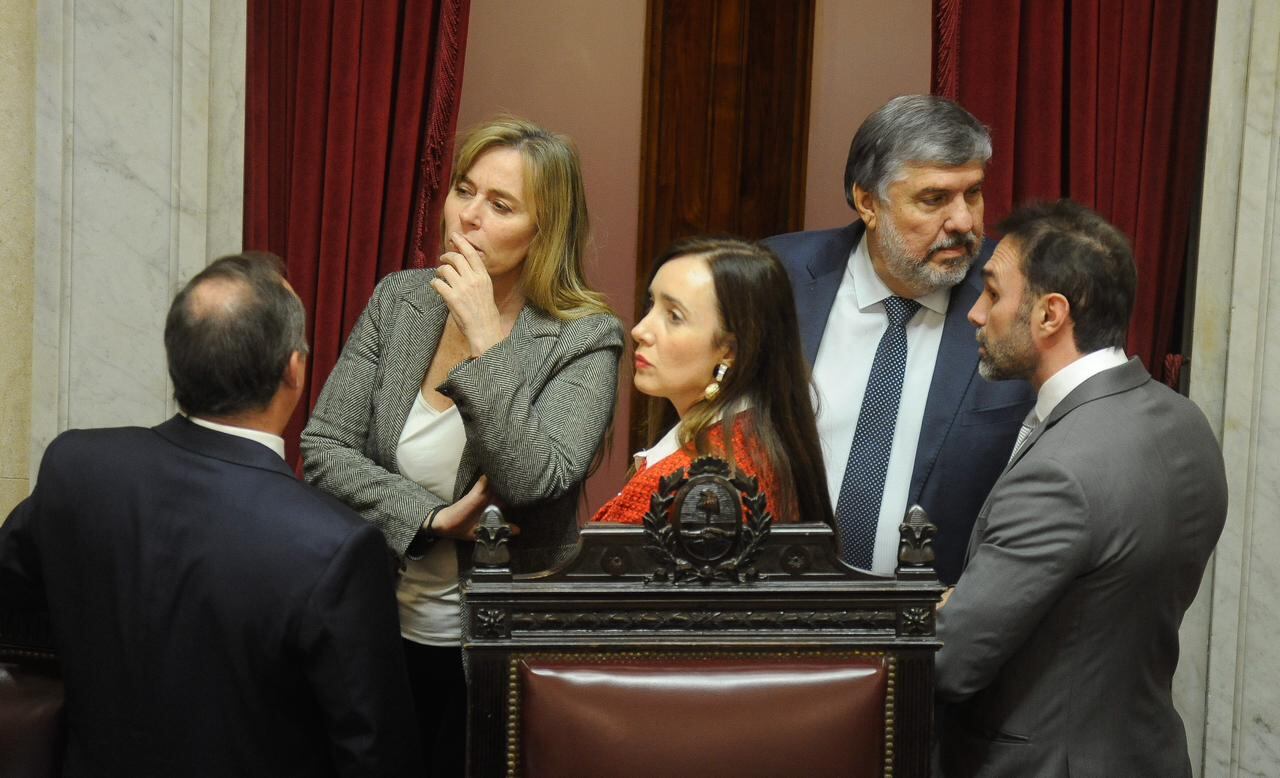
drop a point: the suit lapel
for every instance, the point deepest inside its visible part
(1116, 380)
(417, 324)
(819, 291)
(954, 370)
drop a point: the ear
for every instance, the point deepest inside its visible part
(295, 371)
(730, 349)
(866, 204)
(1052, 316)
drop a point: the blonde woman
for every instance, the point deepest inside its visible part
(489, 378)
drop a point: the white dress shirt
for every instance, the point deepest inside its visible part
(273, 442)
(1063, 382)
(840, 375)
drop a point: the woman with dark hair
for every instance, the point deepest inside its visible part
(718, 352)
(490, 378)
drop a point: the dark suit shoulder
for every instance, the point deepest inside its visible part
(789, 240)
(75, 447)
(815, 252)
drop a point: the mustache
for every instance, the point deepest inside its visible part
(967, 241)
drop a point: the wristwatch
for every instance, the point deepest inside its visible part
(424, 538)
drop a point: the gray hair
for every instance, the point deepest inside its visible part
(912, 129)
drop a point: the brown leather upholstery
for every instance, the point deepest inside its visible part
(638, 656)
(31, 728)
(753, 715)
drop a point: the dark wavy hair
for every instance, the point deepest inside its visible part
(1069, 249)
(767, 388)
(228, 354)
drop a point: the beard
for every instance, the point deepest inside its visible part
(920, 274)
(1011, 357)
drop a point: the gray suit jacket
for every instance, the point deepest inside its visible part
(535, 408)
(1061, 638)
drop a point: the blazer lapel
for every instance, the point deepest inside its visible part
(416, 326)
(532, 337)
(818, 292)
(955, 368)
(1116, 380)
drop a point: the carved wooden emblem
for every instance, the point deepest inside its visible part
(695, 525)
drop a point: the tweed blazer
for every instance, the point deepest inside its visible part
(535, 407)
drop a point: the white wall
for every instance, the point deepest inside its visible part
(139, 182)
(17, 243)
(1229, 677)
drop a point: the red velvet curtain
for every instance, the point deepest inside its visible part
(351, 110)
(1102, 101)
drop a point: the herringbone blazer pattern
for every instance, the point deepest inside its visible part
(535, 408)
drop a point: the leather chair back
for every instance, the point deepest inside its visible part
(705, 642)
(768, 714)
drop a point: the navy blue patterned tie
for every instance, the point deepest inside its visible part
(858, 507)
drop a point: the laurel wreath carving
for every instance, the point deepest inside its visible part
(664, 545)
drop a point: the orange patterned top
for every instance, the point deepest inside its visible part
(631, 504)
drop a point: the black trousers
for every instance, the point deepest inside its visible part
(440, 695)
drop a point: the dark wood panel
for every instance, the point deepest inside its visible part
(726, 125)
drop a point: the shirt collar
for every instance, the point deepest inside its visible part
(665, 447)
(1063, 382)
(669, 443)
(869, 289)
(273, 442)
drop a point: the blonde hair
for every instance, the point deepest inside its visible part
(552, 274)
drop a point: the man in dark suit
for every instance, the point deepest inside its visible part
(931, 434)
(213, 614)
(1061, 637)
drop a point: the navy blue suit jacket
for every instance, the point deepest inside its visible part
(970, 424)
(213, 614)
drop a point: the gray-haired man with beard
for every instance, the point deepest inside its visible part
(903, 416)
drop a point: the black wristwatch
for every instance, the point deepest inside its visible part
(424, 538)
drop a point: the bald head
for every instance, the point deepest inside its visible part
(230, 334)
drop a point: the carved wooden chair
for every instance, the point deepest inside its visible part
(709, 641)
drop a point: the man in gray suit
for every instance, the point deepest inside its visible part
(1061, 636)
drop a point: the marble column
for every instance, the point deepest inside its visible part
(139, 181)
(17, 241)
(1229, 690)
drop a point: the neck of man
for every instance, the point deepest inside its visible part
(1053, 359)
(272, 418)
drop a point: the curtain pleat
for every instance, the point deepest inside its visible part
(1102, 101)
(351, 110)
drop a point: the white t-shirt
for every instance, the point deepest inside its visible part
(428, 454)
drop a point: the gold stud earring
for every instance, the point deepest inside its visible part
(713, 389)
